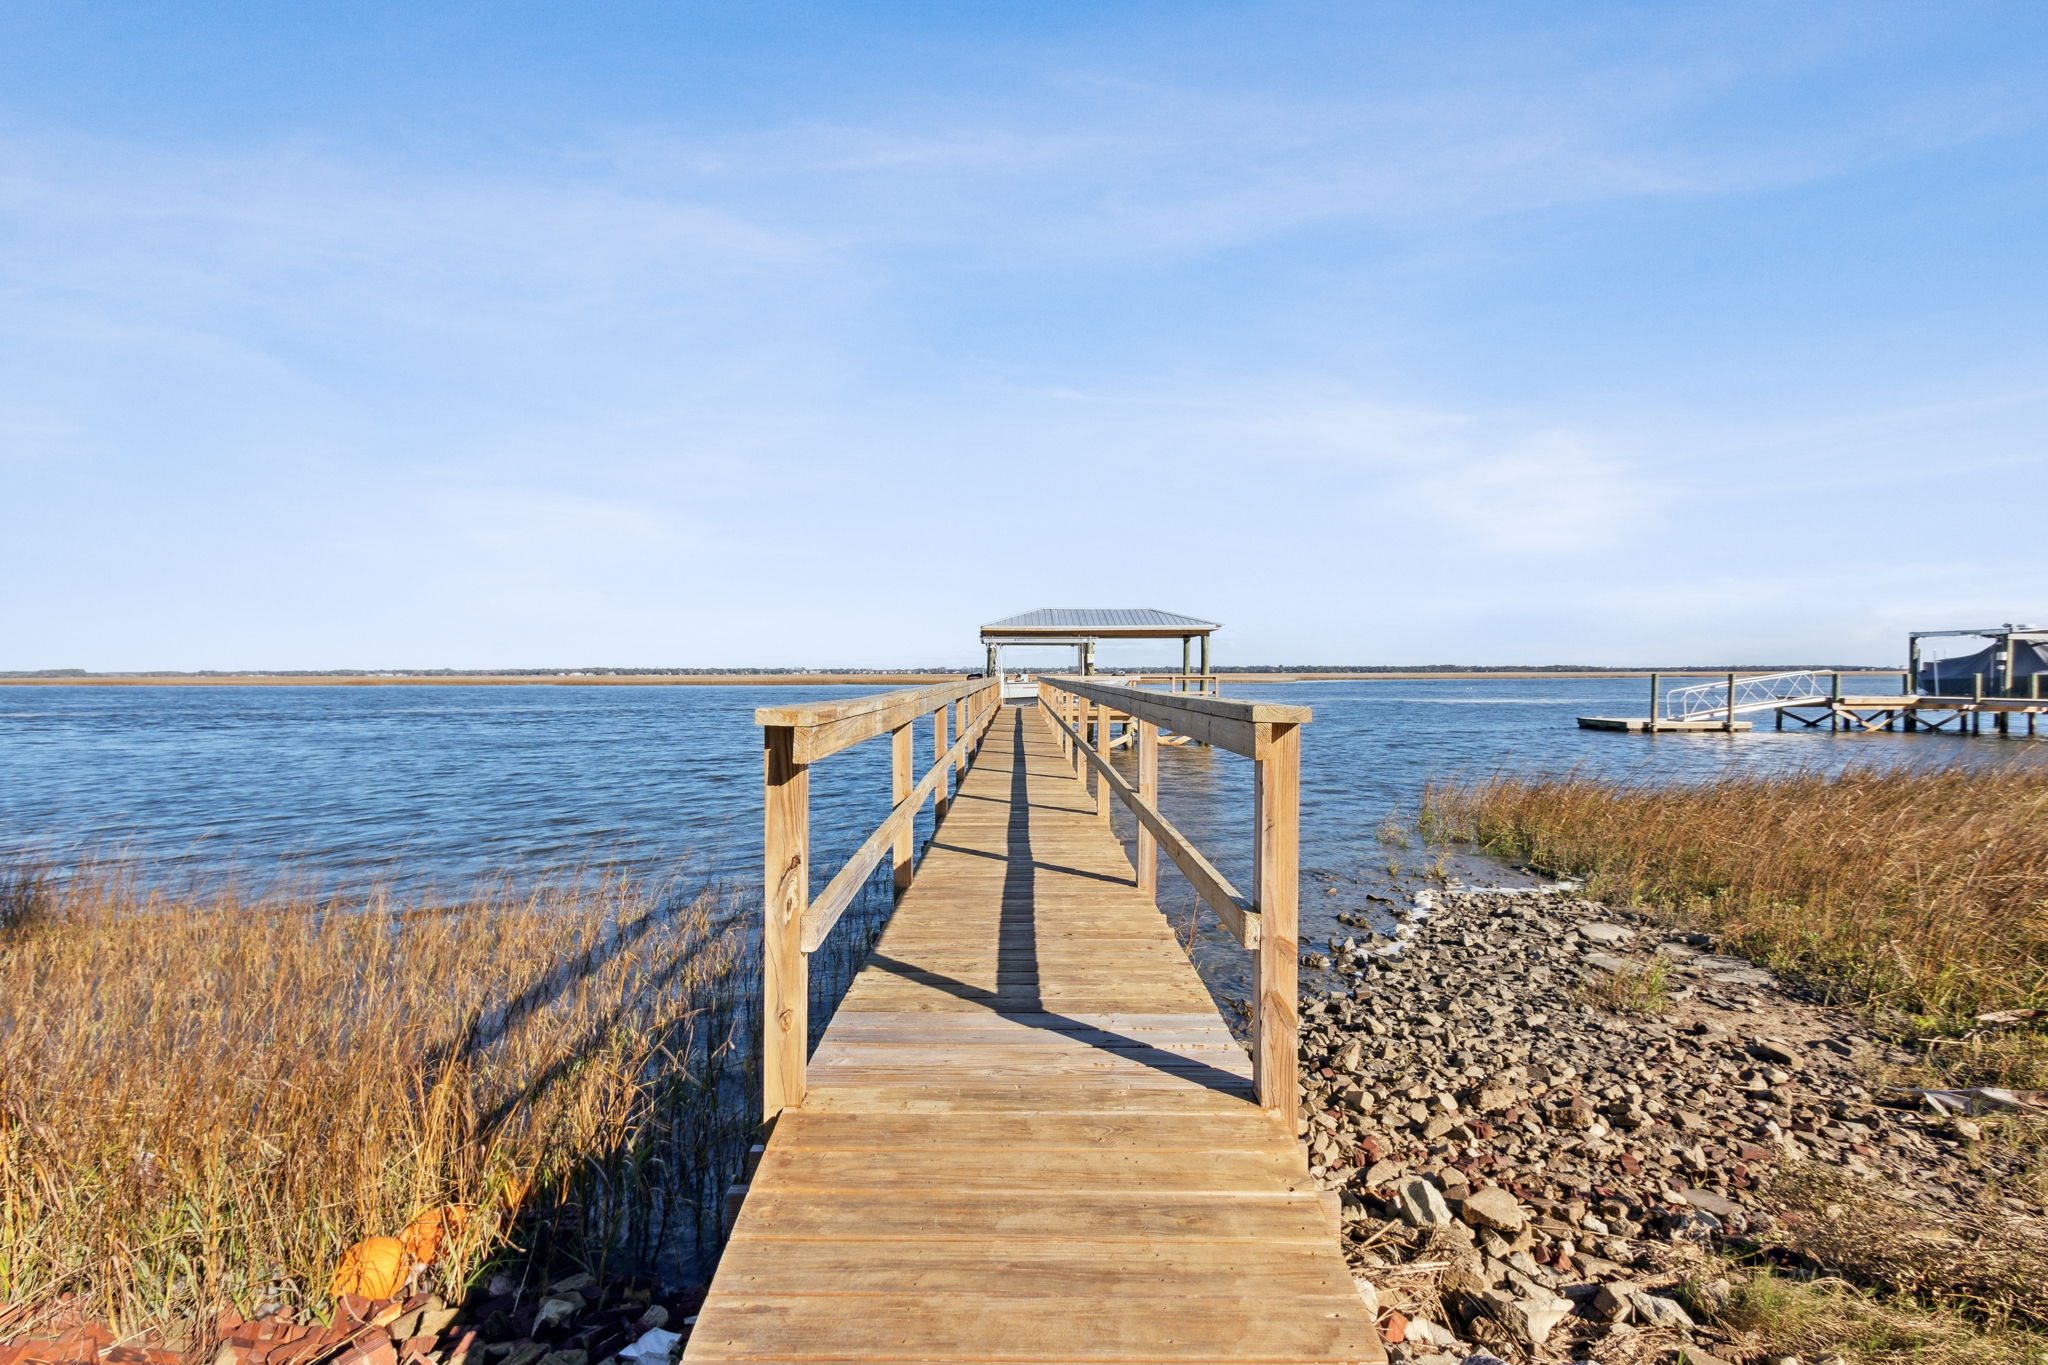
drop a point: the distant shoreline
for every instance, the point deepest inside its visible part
(802, 679)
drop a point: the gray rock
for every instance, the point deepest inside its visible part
(1718, 1205)
(1369, 1295)
(1689, 1354)
(1421, 1205)
(1531, 1319)
(1423, 1332)
(1694, 1225)
(1654, 1310)
(1493, 1208)
(1607, 935)
(1713, 1297)
(1610, 1303)
(1608, 962)
(1774, 1050)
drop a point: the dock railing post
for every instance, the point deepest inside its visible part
(785, 884)
(1277, 889)
(942, 795)
(1077, 716)
(1102, 747)
(899, 788)
(1148, 792)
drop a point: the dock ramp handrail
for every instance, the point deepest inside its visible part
(1736, 695)
(1266, 922)
(795, 925)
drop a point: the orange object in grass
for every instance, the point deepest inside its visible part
(425, 1234)
(375, 1268)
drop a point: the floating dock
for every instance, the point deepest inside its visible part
(1813, 699)
(1644, 725)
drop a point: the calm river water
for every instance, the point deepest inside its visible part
(426, 788)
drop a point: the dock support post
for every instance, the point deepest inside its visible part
(899, 787)
(1977, 697)
(1728, 722)
(942, 795)
(785, 883)
(1148, 792)
(1204, 684)
(1656, 701)
(1276, 1021)
(1187, 662)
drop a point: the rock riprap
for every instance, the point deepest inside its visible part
(1535, 1169)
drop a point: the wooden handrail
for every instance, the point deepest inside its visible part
(825, 728)
(1239, 915)
(792, 738)
(824, 912)
(1243, 727)
(1267, 923)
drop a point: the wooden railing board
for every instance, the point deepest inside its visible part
(826, 712)
(1242, 727)
(846, 883)
(1267, 922)
(792, 926)
(1237, 913)
(827, 730)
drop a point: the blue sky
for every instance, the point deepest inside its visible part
(542, 334)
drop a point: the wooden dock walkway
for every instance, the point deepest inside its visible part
(1027, 1135)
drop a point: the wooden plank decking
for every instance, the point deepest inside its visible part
(1027, 1134)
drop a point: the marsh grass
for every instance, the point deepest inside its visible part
(204, 1099)
(1829, 1315)
(1642, 991)
(1887, 1283)
(1920, 892)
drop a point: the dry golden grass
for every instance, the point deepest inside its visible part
(203, 1101)
(1829, 1315)
(1925, 892)
(1894, 1283)
(1644, 991)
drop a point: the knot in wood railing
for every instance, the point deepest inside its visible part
(794, 925)
(1266, 921)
